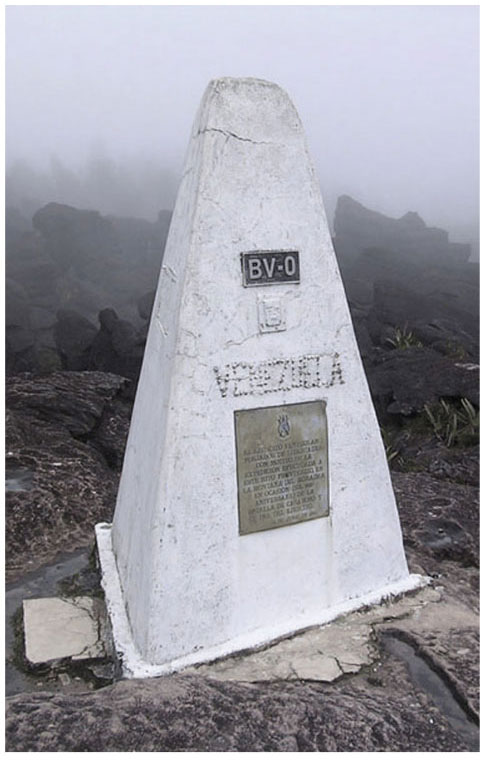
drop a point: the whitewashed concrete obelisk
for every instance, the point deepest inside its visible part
(255, 497)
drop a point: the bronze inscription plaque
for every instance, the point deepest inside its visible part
(282, 465)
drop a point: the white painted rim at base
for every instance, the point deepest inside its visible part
(134, 666)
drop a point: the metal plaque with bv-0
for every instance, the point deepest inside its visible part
(270, 268)
(282, 465)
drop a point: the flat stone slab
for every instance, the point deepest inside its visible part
(324, 653)
(55, 628)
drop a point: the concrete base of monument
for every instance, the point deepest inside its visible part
(134, 666)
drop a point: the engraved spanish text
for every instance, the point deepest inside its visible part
(250, 378)
(282, 465)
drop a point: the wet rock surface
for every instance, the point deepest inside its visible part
(65, 436)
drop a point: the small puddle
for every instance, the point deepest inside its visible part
(18, 480)
(431, 683)
(40, 583)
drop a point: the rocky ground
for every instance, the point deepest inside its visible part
(190, 713)
(402, 677)
(65, 439)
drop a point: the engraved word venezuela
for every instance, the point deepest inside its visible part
(256, 378)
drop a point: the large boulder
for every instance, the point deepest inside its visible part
(357, 228)
(75, 260)
(402, 381)
(407, 276)
(77, 238)
(398, 304)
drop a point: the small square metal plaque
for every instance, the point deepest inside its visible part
(271, 315)
(270, 268)
(282, 465)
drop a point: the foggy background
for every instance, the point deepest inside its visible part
(100, 101)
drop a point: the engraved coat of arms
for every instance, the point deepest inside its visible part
(283, 425)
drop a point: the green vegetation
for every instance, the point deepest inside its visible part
(391, 451)
(454, 425)
(403, 339)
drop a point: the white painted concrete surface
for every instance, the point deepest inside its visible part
(135, 666)
(192, 587)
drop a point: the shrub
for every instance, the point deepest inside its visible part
(454, 425)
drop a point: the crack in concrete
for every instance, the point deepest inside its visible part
(230, 343)
(339, 665)
(232, 134)
(293, 672)
(95, 616)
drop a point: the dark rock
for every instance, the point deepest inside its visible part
(77, 238)
(65, 440)
(190, 713)
(74, 400)
(29, 264)
(440, 524)
(111, 433)
(418, 450)
(408, 277)
(357, 228)
(403, 381)
(362, 333)
(461, 465)
(117, 347)
(80, 260)
(67, 432)
(74, 336)
(19, 335)
(439, 520)
(436, 316)
(461, 666)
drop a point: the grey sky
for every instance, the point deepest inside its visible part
(388, 94)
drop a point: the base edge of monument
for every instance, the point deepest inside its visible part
(133, 664)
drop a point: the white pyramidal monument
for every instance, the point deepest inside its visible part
(255, 498)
